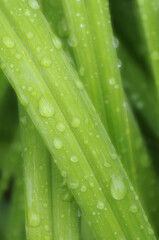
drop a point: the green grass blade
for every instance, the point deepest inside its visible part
(69, 146)
(89, 23)
(65, 210)
(149, 12)
(37, 180)
(15, 224)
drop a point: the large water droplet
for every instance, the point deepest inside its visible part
(73, 185)
(112, 81)
(79, 84)
(115, 42)
(8, 42)
(75, 122)
(73, 41)
(33, 4)
(74, 159)
(46, 62)
(45, 108)
(118, 188)
(62, 28)
(100, 205)
(133, 209)
(60, 127)
(83, 188)
(107, 165)
(57, 42)
(34, 220)
(58, 143)
(68, 196)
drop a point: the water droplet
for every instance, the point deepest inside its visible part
(58, 143)
(74, 159)
(46, 227)
(33, 4)
(23, 120)
(73, 41)
(79, 84)
(45, 108)
(118, 188)
(133, 209)
(30, 35)
(8, 42)
(119, 63)
(27, 13)
(68, 197)
(115, 42)
(57, 42)
(75, 122)
(73, 185)
(34, 220)
(64, 174)
(46, 62)
(83, 188)
(107, 165)
(60, 127)
(150, 231)
(100, 205)
(112, 81)
(155, 55)
(18, 56)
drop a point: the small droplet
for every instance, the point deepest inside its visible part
(73, 41)
(133, 209)
(8, 42)
(64, 174)
(45, 108)
(100, 205)
(68, 197)
(83, 188)
(75, 122)
(27, 13)
(60, 127)
(150, 231)
(118, 188)
(33, 4)
(119, 63)
(79, 84)
(23, 120)
(18, 56)
(74, 159)
(58, 143)
(46, 62)
(34, 220)
(73, 185)
(57, 42)
(112, 81)
(62, 28)
(115, 42)
(30, 35)
(46, 227)
(107, 165)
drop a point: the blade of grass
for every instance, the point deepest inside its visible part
(15, 224)
(89, 23)
(149, 12)
(37, 180)
(79, 127)
(65, 209)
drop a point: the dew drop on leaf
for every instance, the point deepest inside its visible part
(118, 188)
(45, 108)
(33, 4)
(58, 143)
(74, 159)
(57, 42)
(8, 42)
(34, 220)
(100, 205)
(75, 122)
(46, 62)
